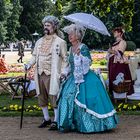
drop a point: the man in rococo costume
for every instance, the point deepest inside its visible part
(49, 58)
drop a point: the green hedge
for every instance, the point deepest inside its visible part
(131, 46)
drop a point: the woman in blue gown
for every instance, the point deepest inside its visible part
(84, 104)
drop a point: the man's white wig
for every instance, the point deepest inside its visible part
(51, 19)
(79, 30)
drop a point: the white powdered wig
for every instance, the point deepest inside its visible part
(55, 22)
(51, 19)
(77, 29)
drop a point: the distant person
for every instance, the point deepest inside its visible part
(20, 51)
(32, 46)
(117, 61)
(11, 46)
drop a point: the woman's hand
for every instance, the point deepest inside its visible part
(62, 77)
(78, 51)
(111, 51)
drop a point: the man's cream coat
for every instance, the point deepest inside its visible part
(58, 63)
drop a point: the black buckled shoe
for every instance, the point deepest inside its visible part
(44, 123)
(53, 126)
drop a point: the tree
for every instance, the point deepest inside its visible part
(136, 23)
(5, 7)
(112, 12)
(32, 15)
(13, 20)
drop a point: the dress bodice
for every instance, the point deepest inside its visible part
(83, 50)
(120, 46)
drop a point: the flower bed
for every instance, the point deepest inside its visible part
(100, 57)
(128, 107)
(3, 66)
(15, 68)
(18, 108)
(31, 73)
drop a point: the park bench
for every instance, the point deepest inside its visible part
(4, 85)
(14, 86)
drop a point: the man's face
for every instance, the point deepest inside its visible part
(48, 28)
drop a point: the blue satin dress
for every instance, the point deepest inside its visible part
(85, 108)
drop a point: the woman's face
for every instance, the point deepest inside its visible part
(72, 37)
(117, 34)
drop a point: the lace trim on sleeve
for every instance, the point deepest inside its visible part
(82, 66)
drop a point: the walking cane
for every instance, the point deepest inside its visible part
(23, 97)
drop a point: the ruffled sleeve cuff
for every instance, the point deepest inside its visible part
(85, 64)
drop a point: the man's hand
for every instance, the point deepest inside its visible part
(26, 67)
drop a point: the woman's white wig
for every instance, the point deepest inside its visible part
(79, 30)
(53, 20)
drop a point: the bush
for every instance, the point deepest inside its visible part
(103, 62)
(131, 46)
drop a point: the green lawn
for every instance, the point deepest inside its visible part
(104, 76)
(11, 74)
(6, 102)
(98, 66)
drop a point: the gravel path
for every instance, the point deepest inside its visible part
(128, 129)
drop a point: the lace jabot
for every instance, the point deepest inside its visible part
(46, 43)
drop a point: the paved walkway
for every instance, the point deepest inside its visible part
(11, 57)
(128, 129)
